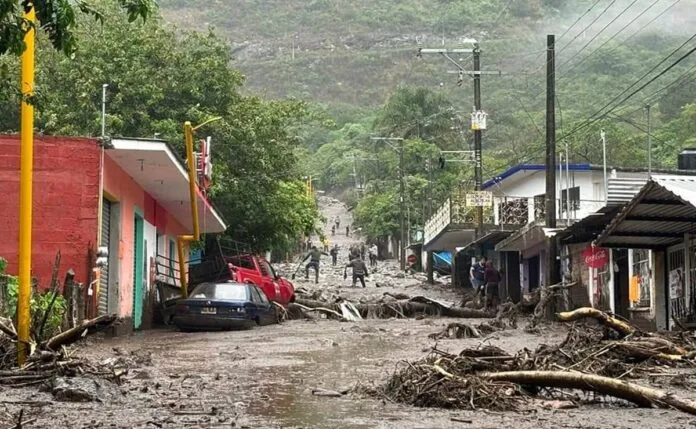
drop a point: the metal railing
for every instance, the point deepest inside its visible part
(167, 270)
(506, 212)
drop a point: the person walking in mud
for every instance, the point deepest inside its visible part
(363, 250)
(492, 279)
(373, 251)
(337, 222)
(334, 254)
(314, 257)
(477, 275)
(347, 230)
(359, 270)
(333, 229)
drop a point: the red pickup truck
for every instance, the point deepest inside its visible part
(244, 268)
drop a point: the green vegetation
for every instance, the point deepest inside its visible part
(358, 60)
(158, 78)
(40, 303)
(57, 18)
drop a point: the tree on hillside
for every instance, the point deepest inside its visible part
(420, 113)
(159, 78)
(58, 19)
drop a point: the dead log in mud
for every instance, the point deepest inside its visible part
(619, 326)
(639, 395)
(74, 334)
(400, 308)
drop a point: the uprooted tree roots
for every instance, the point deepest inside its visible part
(596, 357)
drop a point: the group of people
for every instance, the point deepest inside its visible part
(337, 224)
(356, 259)
(485, 279)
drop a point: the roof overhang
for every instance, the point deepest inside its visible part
(527, 237)
(590, 227)
(450, 239)
(154, 166)
(662, 213)
(488, 240)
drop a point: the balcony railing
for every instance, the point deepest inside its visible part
(506, 212)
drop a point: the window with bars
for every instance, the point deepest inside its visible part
(571, 195)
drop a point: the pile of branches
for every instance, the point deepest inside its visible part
(389, 306)
(597, 357)
(506, 318)
(50, 357)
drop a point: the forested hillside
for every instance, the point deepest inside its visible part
(355, 62)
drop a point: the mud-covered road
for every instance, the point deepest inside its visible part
(263, 378)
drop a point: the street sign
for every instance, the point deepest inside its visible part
(478, 120)
(479, 199)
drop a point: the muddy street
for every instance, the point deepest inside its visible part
(264, 378)
(268, 376)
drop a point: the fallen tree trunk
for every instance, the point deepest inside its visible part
(401, 308)
(619, 326)
(639, 395)
(74, 334)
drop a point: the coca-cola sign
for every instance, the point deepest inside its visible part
(595, 257)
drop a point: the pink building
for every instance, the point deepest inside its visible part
(131, 197)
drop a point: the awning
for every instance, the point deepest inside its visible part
(529, 236)
(489, 239)
(451, 239)
(154, 166)
(659, 216)
(590, 227)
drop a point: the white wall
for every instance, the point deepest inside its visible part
(150, 235)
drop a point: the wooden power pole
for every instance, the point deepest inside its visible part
(552, 271)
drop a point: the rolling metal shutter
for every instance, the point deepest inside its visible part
(105, 240)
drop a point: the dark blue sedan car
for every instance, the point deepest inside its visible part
(224, 306)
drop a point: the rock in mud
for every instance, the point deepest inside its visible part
(82, 389)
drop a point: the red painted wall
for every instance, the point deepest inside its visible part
(66, 189)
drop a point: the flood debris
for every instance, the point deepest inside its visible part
(384, 308)
(598, 355)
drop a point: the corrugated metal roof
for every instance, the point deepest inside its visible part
(621, 190)
(658, 216)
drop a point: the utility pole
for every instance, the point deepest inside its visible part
(478, 173)
(603, 136)
(480, 125)
(400, 148)
(647, 110)
(552, 268)
(402, 252)
(103, 117)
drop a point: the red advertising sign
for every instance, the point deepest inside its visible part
(595, 257)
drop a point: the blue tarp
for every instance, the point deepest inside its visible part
(443, 258)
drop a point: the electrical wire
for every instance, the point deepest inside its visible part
(600, 32)
(579, 33)
(571, 26)
(599, 114)
(606, 41)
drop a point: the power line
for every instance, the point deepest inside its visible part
(578, 20)
(581, 31)
(606, 41)
(599, 115)
(600, 32)
(623, 42)
(590, 24)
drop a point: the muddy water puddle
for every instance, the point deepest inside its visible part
(285, 396)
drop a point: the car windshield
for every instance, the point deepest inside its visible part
(232, 292)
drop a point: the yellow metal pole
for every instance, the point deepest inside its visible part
(25, 190)
(188, 135)
(183, 239)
